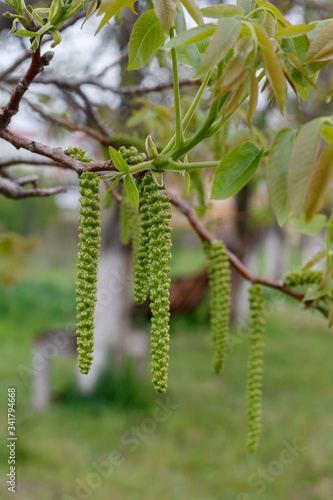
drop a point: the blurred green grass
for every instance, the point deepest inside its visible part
(198, 452)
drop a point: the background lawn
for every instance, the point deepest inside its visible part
(198, 451)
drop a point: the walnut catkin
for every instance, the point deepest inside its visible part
(220, 292)
(255, 366)
(88, 264)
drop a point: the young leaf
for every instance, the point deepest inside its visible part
(322, 40)
(277, 173)
(193, 10)
(191, 36)
(114, 183)
(272, 66)
(131, 190)
(225, 36)
(26, 33)
(303, 157)
(324, 55)
(146, 37)
(246, 5)
(293, 31)
(235, 170)
(253, 101)
(109, 9)
(311, 228)
(222, 10)
(295, 62)
(166, 12)
(317, 291)
(327, 133)
(322, 254)
(320, 181)
(118, 160)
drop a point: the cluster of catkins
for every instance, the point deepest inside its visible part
(303, 277)
(151, 272)
(255, 366)
(78, 154)
(131, 155)
(87, 263)
(220, 290)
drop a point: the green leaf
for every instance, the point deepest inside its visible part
(187, 181)
(235, 170)
(191, 36)
(146, 37)
(253, 100)
(272, 66)
(114, 183)
(56, 37)
(320, 181)
(322, 40)
(222, 10)
(90, 10)
(326, 54)
(315, 259)
(277, 173)
(246, 5)
(109, 9)
(193, 10)
(166, 12)
(225, 36)
(311, 228)
(279, 15)
(131, 190)
(26, 33)
(317, 292)
(327, 133)
(293, 31)
(303, 157)
(295, 62)
(118, 160)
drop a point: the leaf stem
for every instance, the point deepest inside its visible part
(175, 165)
(190, 112)
(179, 126)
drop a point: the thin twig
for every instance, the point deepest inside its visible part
(36, 66)
(15, 191)
(187, 209)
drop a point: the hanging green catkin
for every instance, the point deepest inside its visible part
(303, 277)
(142, 268)
(159, 215)
(87, 263)
(255, 366)
(220, 293)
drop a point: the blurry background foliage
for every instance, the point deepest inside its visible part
(199, 451)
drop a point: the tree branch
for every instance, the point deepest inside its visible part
(205, 235)
(15, 191)
(57, 155)
(36, 66)
(130, 90)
